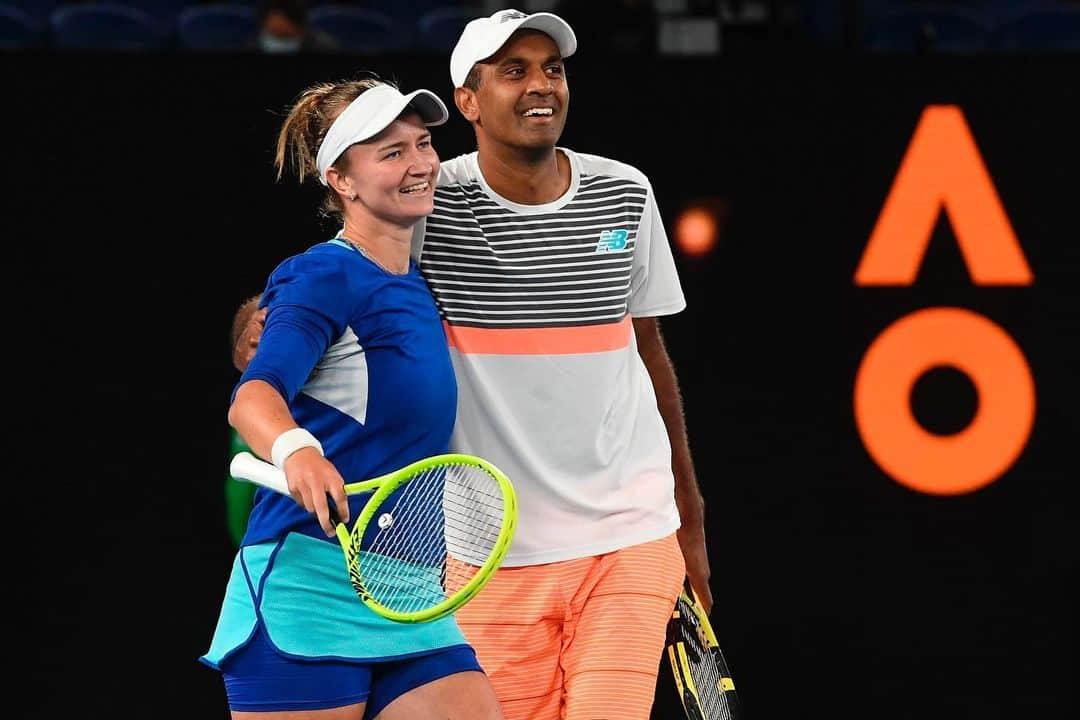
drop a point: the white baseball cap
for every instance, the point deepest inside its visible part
(483, 37)
(371, 113)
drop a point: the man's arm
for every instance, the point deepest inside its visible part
(247, 328)
(687, 492)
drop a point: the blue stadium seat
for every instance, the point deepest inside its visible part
(823, 23)
(107, 28)
(360, 31)
(927, 29)
(220, 27)
(19, 31)
(438, 30)
(37, 10)
(164, 11)
(1040, 31)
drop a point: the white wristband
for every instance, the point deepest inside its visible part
(289, 442)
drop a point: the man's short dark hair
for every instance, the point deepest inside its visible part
(472, 80)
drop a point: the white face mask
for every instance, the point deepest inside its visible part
(277, 45)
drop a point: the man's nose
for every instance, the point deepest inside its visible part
(540, 83)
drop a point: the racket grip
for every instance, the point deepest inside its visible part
(245, 466)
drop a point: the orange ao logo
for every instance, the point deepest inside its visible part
(943, 169)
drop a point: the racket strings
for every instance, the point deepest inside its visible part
(404, 573)
(704, 669)
(472, 512)
(433, 536)
(402, 568)
(470, 528)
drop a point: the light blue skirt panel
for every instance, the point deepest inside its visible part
(299, 589)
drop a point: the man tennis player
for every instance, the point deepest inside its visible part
(550, 269)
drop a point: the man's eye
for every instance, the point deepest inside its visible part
(392, 154)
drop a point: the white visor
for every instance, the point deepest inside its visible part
(370, 114)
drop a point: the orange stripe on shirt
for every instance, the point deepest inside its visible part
(539, 341)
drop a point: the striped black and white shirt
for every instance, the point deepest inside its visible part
(537, 301)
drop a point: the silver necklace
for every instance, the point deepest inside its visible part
(363, 251)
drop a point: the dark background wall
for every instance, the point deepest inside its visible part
(142, 207)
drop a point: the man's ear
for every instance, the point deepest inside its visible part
(465, 99)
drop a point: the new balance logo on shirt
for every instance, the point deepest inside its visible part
(612, 240)
(493, 267)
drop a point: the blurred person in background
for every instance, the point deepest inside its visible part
(284, 29)
(239, 494)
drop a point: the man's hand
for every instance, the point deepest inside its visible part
(247, 331)
(691, 540)
(687, 493)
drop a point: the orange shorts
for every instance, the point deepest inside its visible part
(580, 639)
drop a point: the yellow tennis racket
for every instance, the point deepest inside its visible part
(428, 539)
(701, 674)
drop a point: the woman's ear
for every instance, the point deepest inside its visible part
(340, 183)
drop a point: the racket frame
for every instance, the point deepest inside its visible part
(384, 486)
(680, 662)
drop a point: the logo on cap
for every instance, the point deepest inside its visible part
(509, 15)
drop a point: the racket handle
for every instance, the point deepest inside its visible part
(245, 466)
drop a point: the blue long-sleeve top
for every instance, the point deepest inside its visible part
(361, 358)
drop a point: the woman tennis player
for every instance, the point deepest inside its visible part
(352, 379)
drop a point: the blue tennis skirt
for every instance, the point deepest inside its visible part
(293, 597)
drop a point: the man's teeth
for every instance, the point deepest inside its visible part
(419, 187)
(538, 111)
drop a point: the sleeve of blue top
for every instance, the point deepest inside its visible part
(308, 308)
